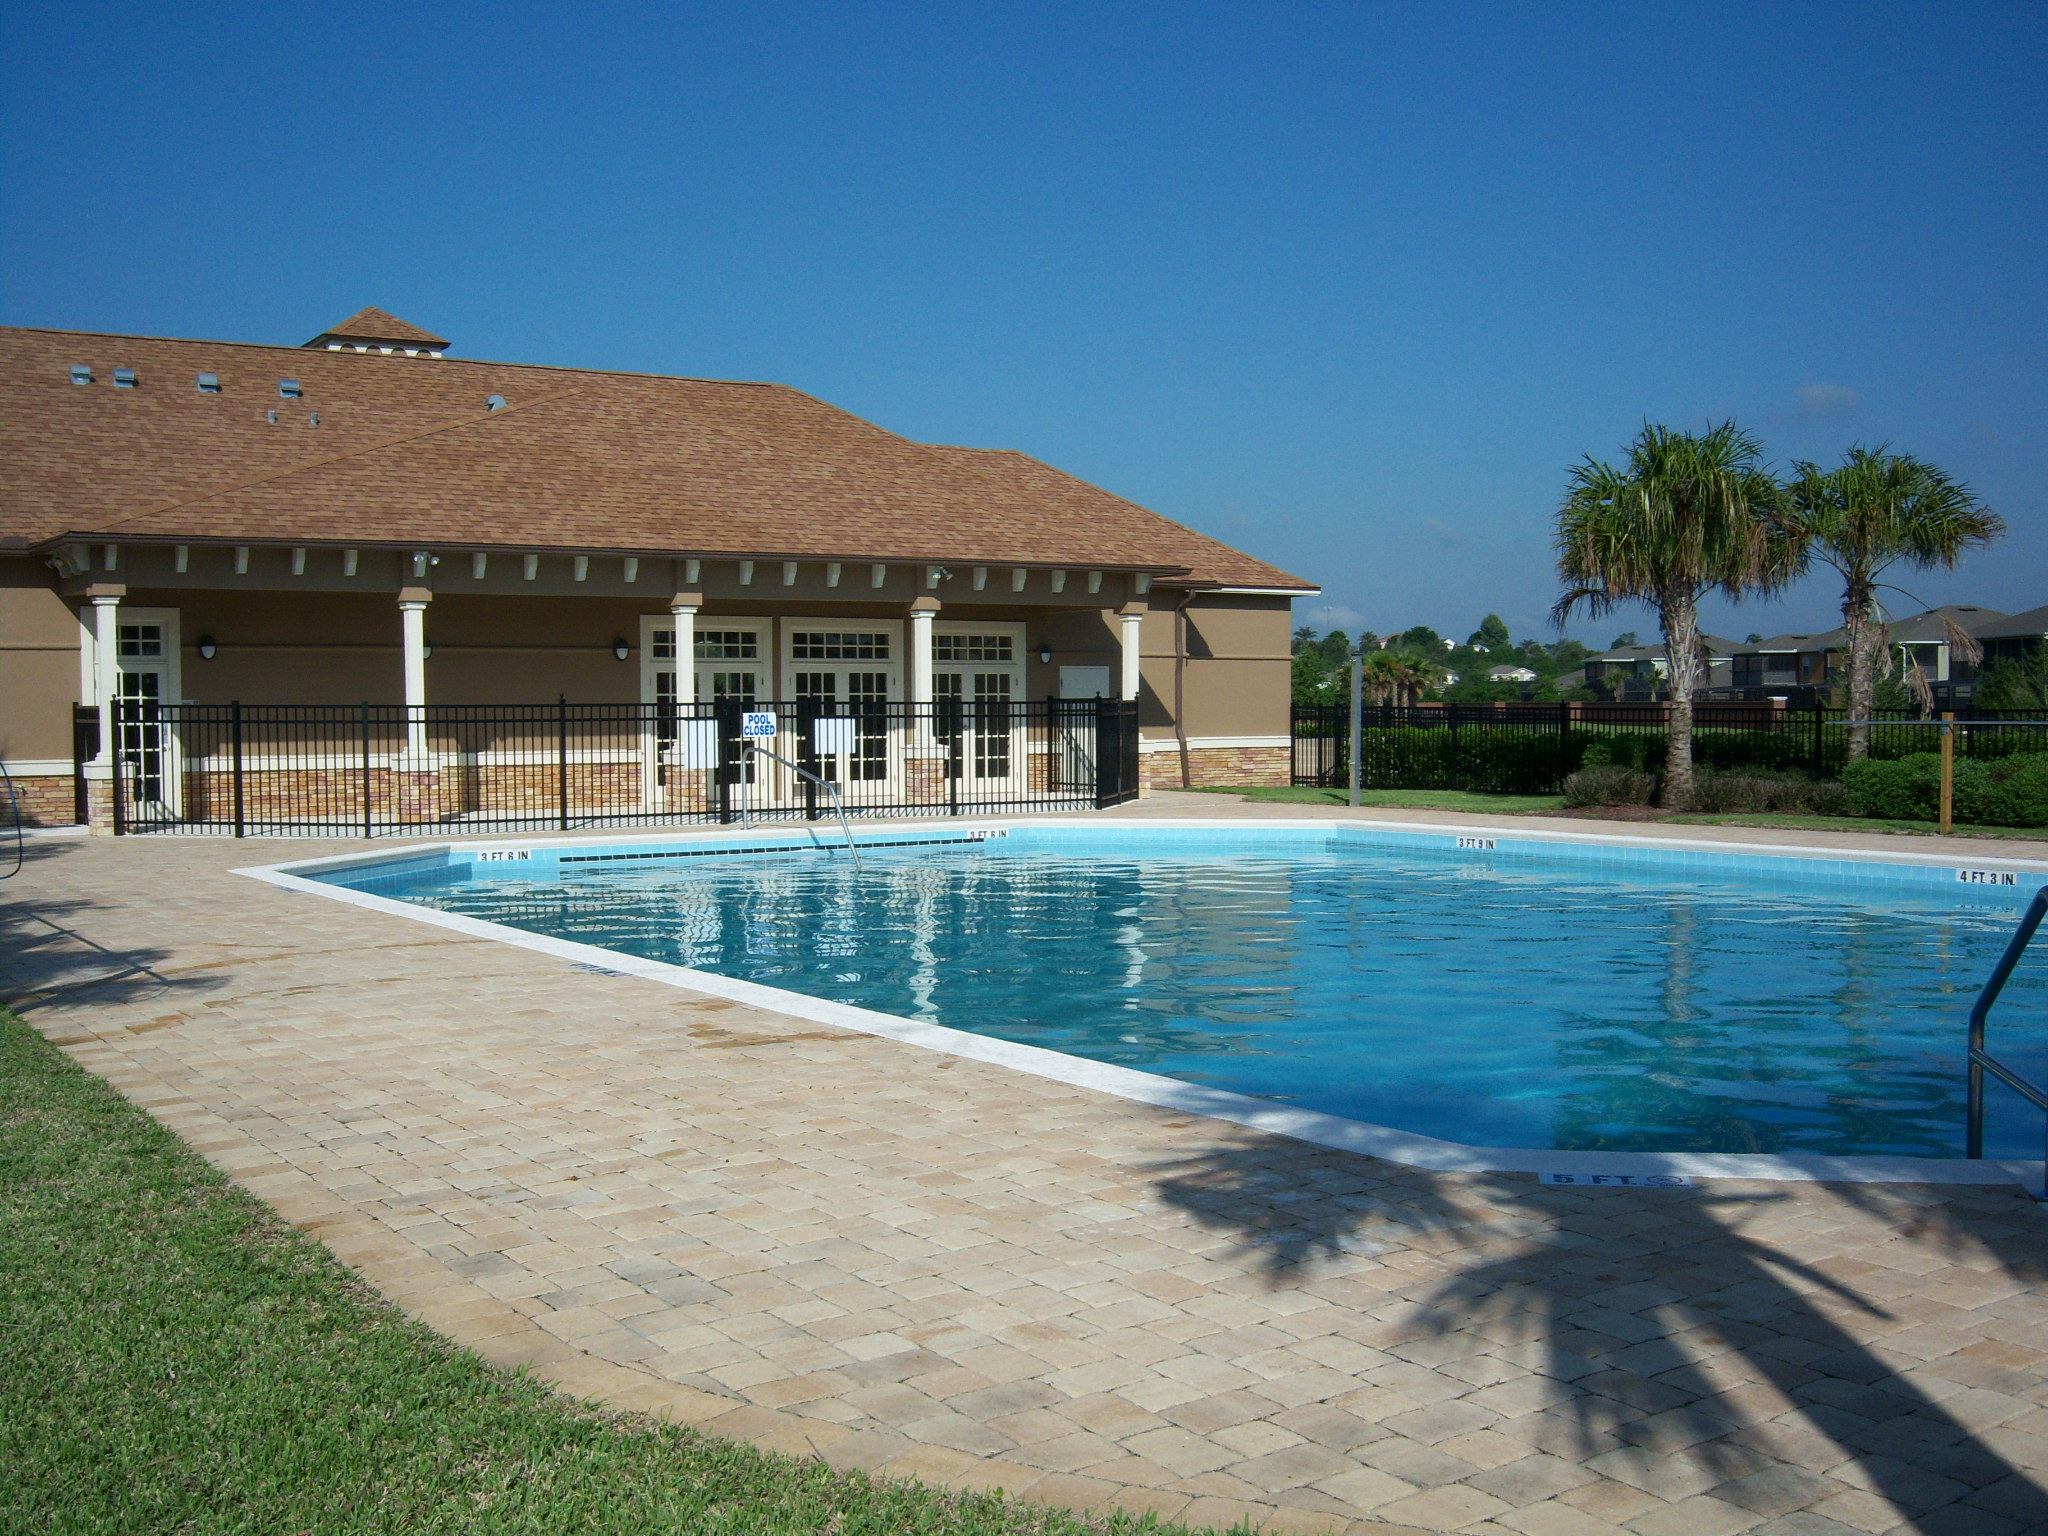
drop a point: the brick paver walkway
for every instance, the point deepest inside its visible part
(831, 1243)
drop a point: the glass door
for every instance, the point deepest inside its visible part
(729, 676)
(845, 674)
(144, 742)
(976, 680)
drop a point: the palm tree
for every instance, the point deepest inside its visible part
(1687, 514)
(1873, 511)
(1382, 676)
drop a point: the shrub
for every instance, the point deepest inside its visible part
(2005, 792)
(2018, 794)
(1769, 792)
(1610, 784)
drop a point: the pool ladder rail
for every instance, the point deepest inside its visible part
(838, 804)
(1981, 1061)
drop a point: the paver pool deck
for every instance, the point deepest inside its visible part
(835, 1244)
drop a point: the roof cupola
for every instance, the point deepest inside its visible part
(372, 330)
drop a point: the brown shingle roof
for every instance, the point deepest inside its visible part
(375, 325)
(407, 452)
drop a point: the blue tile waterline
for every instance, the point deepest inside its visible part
(1537, 993)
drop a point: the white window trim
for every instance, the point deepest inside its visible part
(650, 622)
(1014, 629)
(171, 663)
(897, 666)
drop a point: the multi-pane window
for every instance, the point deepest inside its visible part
(835, 645)
(973, 648)
(868, 695)
(662, 646)
(728, 645)
(140, 639)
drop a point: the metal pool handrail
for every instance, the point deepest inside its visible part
(1980, 1061)
(832, 789)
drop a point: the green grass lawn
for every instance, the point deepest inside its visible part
(174, 1358)
(1426, 799)
(1544, 805)
(1853, 824)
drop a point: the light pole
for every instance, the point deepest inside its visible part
(1357, 714)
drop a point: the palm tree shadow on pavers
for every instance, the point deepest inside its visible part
(1666, 1330)
(47, 959)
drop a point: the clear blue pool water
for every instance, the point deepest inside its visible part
(1489, 1000)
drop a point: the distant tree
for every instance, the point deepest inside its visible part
(1492, 634)
(1684, 515)
(1304, 637)
(1753, 638)
(1624, 640)
(1335, 648)
(1873, 511)
(1383, 676)
(1420, 638)
(2019, 682)
(1566, 655)
(1314, 682)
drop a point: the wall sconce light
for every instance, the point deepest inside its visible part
(621, 650)
(1045, 653)
(208, 648)
(426, 649)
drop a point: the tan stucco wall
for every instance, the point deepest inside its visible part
(1239, 668)
(38, 664)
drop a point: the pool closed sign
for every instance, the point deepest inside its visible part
(757, 723)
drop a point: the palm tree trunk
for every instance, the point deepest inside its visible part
(1866, 639)
(1682, 655)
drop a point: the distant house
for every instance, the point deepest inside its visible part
(1639, 672)
(2009, 639)
(1796, 666)
(1783, 663)
(1510, 674)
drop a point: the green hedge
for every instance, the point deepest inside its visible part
(2004, 792)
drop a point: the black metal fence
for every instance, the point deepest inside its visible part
(1529, 748)
(369, 769)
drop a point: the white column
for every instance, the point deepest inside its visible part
(412, 615)
(685, 616)
(106, 637)
(1132, 624)
(921, 653)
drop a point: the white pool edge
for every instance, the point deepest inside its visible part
(1263, 1115)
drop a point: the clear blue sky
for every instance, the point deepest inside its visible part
(1347, 285)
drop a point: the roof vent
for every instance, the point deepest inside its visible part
(289, 388)
(209, 383)
(494, 402)
(124, 378)
(81, 373)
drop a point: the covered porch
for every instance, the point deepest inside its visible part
(251, 689)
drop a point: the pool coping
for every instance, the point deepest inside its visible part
(1334, 1131)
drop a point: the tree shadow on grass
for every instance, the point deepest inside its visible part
(1666, 1328)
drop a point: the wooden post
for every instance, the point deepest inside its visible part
(1948, 770)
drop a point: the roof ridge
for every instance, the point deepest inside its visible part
(439, 362)
(333, 458)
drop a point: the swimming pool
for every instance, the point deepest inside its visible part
(1482, 989)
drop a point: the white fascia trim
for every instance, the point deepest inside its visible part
(1197, 743)
(37, 767)
(1258, 591)
(1311, 1126)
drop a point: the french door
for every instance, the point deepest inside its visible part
(146, 748)
(729, 669)
(851, 671)
(976, 679)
